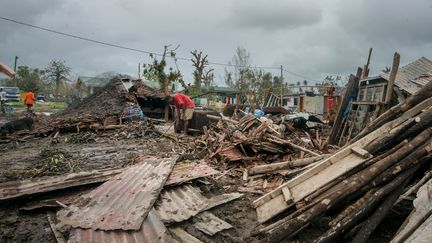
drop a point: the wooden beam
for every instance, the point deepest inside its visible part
(260, 169)
(396, 59)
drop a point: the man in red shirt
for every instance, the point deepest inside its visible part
(184, 107)
(29, 100)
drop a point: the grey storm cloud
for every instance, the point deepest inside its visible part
(312, 38)
(275, 15)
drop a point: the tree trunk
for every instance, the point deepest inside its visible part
(379, 214)
(365, 207)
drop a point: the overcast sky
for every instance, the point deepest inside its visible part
(310, 38)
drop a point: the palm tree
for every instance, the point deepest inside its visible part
(386, 70)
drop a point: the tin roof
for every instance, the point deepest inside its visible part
(152, 230)
(423, 79)
(183, 202)
(209, 224)
(183, 172)
(407, 74)
(16, 189)
(122, 202)
(143, 91)
(180, 203)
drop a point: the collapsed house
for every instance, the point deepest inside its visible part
(368, 98)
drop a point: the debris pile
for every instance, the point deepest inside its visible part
(361, 181)
(252, 138)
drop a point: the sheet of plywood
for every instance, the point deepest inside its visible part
(300, 190)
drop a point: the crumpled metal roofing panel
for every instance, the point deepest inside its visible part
(180, 203)
(209, 224)
(183, 202)
(122, 202)
(16, 189)
(408, 73)
(183, 172)
(152, 230)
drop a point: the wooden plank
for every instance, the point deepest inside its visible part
(287, 194)
(393, 72)
(361, 152)
(285, 165)
(300, 190)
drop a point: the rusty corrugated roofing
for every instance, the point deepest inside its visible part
(183, 202)
(407, 74)
(183, 172)
(180, 203)
(16, 189)
(144, 91)
(122, 202)
(152, 230)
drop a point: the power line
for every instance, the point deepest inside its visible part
(134, 49)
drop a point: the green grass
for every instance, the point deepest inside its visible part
(49, 106)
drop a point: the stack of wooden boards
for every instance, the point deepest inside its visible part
(362, 181)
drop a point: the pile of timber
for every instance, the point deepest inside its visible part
(249, 138)
(358, 185)
(75, 124)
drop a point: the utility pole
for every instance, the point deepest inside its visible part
(281, 89)
(15, 65)
(139, 70)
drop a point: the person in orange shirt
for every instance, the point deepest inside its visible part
(29, 100)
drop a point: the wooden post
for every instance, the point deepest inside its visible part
(166, 112)
(281, 82)
(392, 77)
(366, 67)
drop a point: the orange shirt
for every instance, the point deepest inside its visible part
(29, 98)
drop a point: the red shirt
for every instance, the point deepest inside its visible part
(181, 99)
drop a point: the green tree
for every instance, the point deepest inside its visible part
(56, 73)
(386, 70)
(28, 79)
(156, 70)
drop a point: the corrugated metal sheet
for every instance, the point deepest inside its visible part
(183, 172)
(210, 224)
(221, 199)
(16, 189)
(180, 203)
(424, 79)
(182, 235)
(143, 91)
(152, 230)
(183, 202)
(122, 202)
(408, 73)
